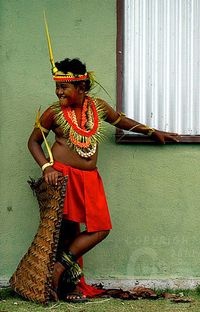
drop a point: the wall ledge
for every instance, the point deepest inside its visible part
(4, 282)
(125, 284)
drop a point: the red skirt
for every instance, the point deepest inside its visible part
(85, 200)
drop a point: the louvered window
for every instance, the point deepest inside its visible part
(159, 65)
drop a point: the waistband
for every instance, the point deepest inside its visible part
(65, 168)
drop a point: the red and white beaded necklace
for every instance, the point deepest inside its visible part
(83, 138)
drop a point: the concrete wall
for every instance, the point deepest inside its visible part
(153, 191)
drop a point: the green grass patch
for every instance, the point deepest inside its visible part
(11, 302)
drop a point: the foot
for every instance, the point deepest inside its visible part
(57, 272)
(75, 296)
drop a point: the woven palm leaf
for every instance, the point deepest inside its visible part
(33, 276)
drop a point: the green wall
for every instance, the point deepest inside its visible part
(152, 191)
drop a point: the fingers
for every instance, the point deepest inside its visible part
(173, 138)
(52, 177)
(60, 178)
(162, 137)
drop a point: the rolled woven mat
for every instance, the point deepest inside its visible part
(33, 276)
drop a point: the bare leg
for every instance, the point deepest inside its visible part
(79, 246)
(69, 230)
(86, 241)
(78, 243)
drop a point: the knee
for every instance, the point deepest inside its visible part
(103, 234)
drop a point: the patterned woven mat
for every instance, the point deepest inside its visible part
(33, 276)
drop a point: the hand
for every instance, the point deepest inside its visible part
(52, 176)
(162, 137)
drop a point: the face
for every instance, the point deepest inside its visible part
(67, 93)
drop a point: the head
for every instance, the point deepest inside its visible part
(76, 67)
(69, 92)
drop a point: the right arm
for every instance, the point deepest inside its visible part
(35, 147)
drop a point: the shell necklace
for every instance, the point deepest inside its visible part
(84, 138)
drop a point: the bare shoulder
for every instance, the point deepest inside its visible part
(105, 105)
(47, 119)
(111, 114)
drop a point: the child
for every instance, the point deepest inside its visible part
(76, 121)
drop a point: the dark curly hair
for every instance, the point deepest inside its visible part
(74, 66)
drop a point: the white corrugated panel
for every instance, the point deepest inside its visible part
(162, 64)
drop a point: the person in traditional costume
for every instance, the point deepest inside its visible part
(76, 120)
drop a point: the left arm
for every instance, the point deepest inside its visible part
(125, 123)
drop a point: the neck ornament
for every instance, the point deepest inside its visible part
(84, 138)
